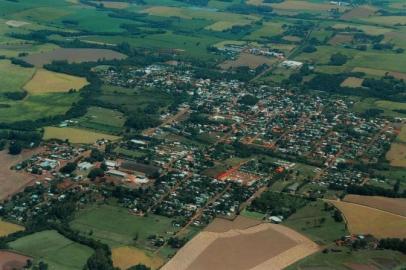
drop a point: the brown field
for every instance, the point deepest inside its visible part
(7, 228)
(366, 220)
(392, 205)
(340, 39)
(352, 82)
(359, 12)
(45, 81)
(76, 135)
(397, 155)
(247, 59)
(116, 5)
(12, 261)
(11, 181)
(72, 55)
(242, 244)
(125, 257)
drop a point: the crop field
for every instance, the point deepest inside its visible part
(268, 29)
(113, 4)
(307, 221)
(7, 228)
(127, 256)
(366, 220)
(12, 260)
(402, 135)
(249, 60)
(76, 135)
(116, 227)
(71, 55)
(11, 181)
(102, 119)
(340, 39)
(359, 12)
(36, 106)
(367, 29)
(392, 205)
(294, 5)
(397, 155)
(45, 81)
(57, 251)
(352, 260)
(380, 72)
(224, 25)
(242, 244)
(385, 20)
(352, 82)
(13, 77)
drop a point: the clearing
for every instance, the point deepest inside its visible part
(45, 81)
(242, 244)
(76, 135)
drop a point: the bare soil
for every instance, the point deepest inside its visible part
(12, 261)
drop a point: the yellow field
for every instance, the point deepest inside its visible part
(352, 82)
(224, 25)
(75, 135)
(7, 228)
(116, 5)
(125, 257)
(45, 81)
(365, 220)
(397, 155)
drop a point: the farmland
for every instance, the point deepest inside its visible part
(71, 55)
(222, 244)
(395, 206)
(7, 228)
(125, 257)
(56, 250)
(45, 81)
(13, 77)
(363, 219)
(75, 135)
(12, 260)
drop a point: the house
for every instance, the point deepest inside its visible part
(84, 166)
(117, 173)
(292, 64)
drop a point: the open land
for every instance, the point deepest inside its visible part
(259, 246)
(392, 205)
(127, 256)
(12, 260)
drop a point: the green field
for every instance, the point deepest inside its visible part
(54, 249)
(307, 220)
(13, 77)
(115, 226)
(102, 119)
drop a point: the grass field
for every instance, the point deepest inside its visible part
(307, 220)
(13, 77)
(352, 82)
(76, 135)
(388, 108)
(126, 256)
(397, 155)
(365, 220)
(7, 228)
(57, 251)
(45, 81)
(115, 226)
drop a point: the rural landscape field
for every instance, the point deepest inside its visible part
(202, 134)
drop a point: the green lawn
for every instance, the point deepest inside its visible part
(307, 221)
(115, 226)
(57, 251)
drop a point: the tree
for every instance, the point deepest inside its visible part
(249, 100)
(139, 267)
(337, 216)
(396, 186)
(338, 59)
(95, 172)
(68, 168)
(15, 148)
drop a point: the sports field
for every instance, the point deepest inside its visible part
(367, 220)
(103, 120)
(76, 135)
(57, 251)
(45, 81)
